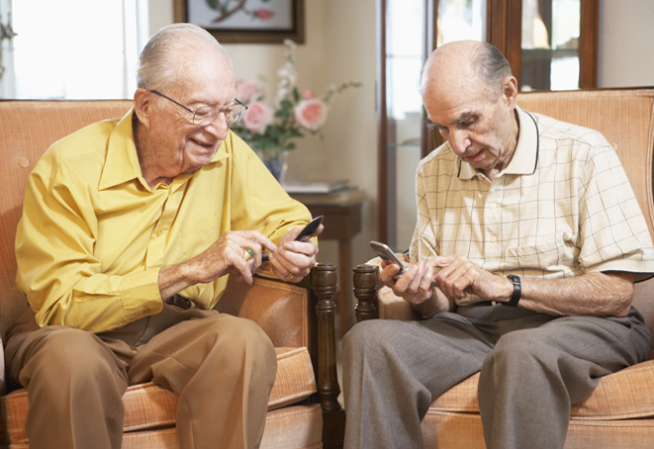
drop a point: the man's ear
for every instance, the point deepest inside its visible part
(510, 90)
(142, 105)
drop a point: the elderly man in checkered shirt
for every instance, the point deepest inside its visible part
(528, 242)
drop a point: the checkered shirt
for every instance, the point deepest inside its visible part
(562, 207)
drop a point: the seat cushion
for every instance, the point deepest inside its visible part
(445, 430)
(617, 414)
(148, 406)
(617, 396)
(295, 427)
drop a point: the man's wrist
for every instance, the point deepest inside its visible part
(516, 291)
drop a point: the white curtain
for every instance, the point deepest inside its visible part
(76, 49)
(7, 85)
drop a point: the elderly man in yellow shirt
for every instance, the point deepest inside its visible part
(129, 229)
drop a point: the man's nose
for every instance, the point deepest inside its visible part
(459, 141)
(219, 126)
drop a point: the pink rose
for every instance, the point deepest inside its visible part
(246, 90)
(257, 117)
(311, 113)
(308, 94)
(264, 14)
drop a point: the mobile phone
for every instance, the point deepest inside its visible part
(304, 235)
(388, 256)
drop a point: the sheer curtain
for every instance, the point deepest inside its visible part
(6, 47)
(75, 49)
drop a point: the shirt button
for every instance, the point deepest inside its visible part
(493, 239)
(493, 206)
(159, 233)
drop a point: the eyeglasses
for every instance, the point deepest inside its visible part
(205, 115)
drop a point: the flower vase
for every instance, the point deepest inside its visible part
(276, 161)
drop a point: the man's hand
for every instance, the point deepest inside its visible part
(227, 255)
(459, 276)
(415, 283)
(293, 260)
(415, 287)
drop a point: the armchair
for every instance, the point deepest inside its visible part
(299, 319)
(620, 413)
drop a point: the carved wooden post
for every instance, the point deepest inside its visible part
(364, 279)
(323, 283)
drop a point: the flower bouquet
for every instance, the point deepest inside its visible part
(271, 130)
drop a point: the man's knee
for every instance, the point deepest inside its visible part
(522, 349)
(243, 339)
(60, 353)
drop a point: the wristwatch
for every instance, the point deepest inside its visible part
(517, 291)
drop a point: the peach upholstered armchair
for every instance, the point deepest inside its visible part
(620, 413)
(303, 407)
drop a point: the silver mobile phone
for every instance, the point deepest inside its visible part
(388, 256)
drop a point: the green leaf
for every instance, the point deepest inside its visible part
(286, 104)
(213, 4)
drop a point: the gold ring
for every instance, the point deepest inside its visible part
(249, 254)
(290, 276)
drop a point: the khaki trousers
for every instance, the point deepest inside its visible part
(221, 367)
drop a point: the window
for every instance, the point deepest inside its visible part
(76, 49)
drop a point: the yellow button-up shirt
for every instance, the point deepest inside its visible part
(94, 235)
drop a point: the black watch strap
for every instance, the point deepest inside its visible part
(517, 291)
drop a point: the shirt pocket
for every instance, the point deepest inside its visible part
(551, 259)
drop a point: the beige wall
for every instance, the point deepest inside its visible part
(626, 35)
(339, 46)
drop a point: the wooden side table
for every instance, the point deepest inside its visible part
(342, 211)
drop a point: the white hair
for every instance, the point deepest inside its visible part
(158, 62)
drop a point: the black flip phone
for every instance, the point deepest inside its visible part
(305, 234)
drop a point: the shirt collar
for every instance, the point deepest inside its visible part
(525, 158)
(122, 164)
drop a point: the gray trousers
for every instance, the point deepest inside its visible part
(221, 367)
(533, 367)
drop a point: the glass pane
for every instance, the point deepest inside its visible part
(77, 49)
(405, 29)
(405, 53)
(403, 80)
(550, 44)
(460, 19)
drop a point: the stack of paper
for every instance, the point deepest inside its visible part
(313, 187)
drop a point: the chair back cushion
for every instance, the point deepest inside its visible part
(626, 118)
(27, 129)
